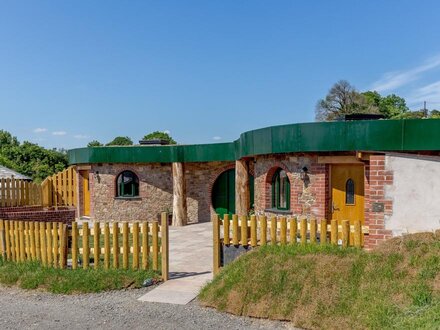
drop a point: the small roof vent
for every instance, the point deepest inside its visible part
(154, 142)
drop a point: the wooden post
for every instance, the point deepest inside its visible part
(135, 263)
(14, 235)
(253, 231)
(235, 240)
(85, 244)
(125, 245)
(106, 245)
(273, 230)
(115, 236)
(43, 243)
(63, 245)
(96, 244)
(303, 231)
(145, 247)
(22, 242)
(56, 250)
(165, 246)
(313, 227)
(345, 233)
(155, 243)
(242, 192)
(27, 236)
(293, 230)
(180, 217)
(357, 234)
(49, 243)
(7, 240)
(334, 232)
(32, 241)
(244, 230)
(74, 245)
(283, 231)
(37, 241)
(226, 237)
(323, 232)
(2, 239)
(263, 225)
(216, 243)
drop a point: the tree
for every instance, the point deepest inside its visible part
(120, 141)
(390, 106)
(94, 143)
(343, 99)
(158, 135)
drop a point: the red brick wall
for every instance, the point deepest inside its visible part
(376, 178)
(65, 215)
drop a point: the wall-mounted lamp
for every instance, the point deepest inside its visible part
(98, 178)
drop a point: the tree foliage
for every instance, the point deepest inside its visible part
(159, 136)
(120, 141)
(30, 159)
(343, 99)
(94, 143)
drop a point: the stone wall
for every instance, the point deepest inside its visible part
(308, 197)
(155, 192)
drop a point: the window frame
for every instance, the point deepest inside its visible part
(350, 184)
(120, 186)
(276, 193)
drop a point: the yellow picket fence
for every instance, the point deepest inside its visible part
(259, 230)
(139, 245)
(16, 192)
(60, 189)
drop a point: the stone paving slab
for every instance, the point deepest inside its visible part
(190, 265)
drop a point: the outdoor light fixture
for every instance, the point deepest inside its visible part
(97, 176)
(304, 172)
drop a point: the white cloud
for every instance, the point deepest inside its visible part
(40, 130)
(216, 138)
(59, 133)
(429, 93)
(393, 80)
(81, 136)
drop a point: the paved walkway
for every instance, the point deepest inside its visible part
(190, 265)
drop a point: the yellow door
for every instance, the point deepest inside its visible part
(347, 202)
(86, 192)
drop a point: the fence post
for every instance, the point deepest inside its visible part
(22, 242)
(323, 234)
(7, 240)
(334, 232)
(263, 224)
(216, 242)
(253, 231)
(85, 243)
(115, 237)
(293, 230)
(226, 237)
(125, 245)
(244, 230)
(303, 231)
(313, 231)
(135, 263)
(283, 230)
(43, 251)
(165, 246)
(235, 230)
(96, 245)
(32, 240)
(63, 245)
(345, 233)
(145, 247)
(155, 242)
(273, 230)
(74, 245)
(106, 245)
(357, 234)
(2, 239)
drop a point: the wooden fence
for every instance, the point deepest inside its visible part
(60, 189)
(16, 192)
(139, 245)
(258, 230)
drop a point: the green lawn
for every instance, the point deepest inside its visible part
(395, 287)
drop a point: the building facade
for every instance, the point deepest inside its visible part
(384, 173)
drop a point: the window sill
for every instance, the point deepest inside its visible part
(278, 211)
(137, 198)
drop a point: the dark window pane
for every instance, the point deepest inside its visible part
(128, 184)
(349, 192)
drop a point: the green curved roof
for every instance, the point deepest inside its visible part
(374, 135)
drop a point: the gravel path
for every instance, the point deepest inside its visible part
(112, 310)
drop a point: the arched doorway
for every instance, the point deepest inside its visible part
(223, 193)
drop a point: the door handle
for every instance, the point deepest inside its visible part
(334, 208)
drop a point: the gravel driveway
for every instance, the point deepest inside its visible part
(112, 310)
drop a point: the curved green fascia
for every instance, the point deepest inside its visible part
(374, 135)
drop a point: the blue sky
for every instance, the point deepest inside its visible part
(73, 71)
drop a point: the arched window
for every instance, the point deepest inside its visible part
(128, 185)
(280, 190)
(349, 192)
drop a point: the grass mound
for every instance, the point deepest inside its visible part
(397, 286)
(31, 275)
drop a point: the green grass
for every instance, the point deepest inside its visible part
(395, 287)
(31, 275)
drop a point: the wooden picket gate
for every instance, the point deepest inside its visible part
(17, 192)
(257, 230)
(60, 189)
(139, 245)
